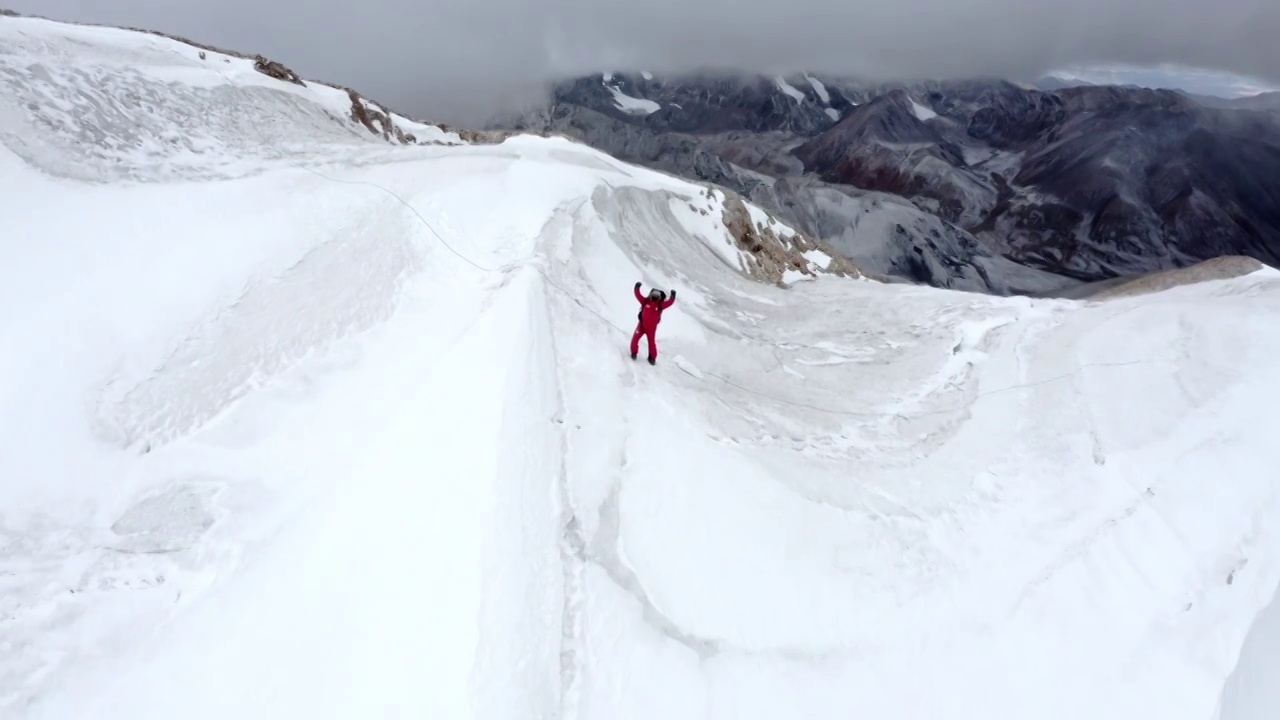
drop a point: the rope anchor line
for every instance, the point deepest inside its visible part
(767, 396)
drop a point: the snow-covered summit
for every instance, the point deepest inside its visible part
(101, 103)
(310, 424)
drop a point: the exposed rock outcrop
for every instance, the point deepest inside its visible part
(271, 68)
(1004, 189)
(485, 137)
(376, 119)
(772, 250)
(686, 136)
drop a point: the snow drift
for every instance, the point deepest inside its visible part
(301, 424)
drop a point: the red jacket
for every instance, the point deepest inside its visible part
(651, 310)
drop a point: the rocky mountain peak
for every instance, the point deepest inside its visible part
(974, 184)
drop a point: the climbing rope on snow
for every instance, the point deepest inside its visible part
(626, 333)
(699, 377)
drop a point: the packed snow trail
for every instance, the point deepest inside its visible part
(337, 429)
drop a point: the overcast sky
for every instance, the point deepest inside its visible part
(460, 60)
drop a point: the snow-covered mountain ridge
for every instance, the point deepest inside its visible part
(106, 112)
(84, 117)
(976, 185)
(309, 424)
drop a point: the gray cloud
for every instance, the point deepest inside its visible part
(1204, 82)
(459, 60)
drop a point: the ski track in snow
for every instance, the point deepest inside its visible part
(276, 450)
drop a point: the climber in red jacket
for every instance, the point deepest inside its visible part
(650, 315)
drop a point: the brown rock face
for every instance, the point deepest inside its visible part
(773, 253)
(377, 121)
(271, 68)
(484, 137)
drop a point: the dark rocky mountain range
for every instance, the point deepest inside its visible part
(977, 185)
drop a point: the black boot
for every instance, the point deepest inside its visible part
(633, 356)
(653, 361)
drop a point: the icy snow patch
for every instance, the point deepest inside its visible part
(646, 74)
(786, 87)
(923, 113)
(761, 218)
(168, 521)
(977, 156)
(425, 133)
(633, 105)
(819, 88)
(833, 113)
(819, 258)
(791, 277)
(704, 222)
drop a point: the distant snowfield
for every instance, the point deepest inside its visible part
(629, 104)
(272, 449)
(922, 113)
(819, 88)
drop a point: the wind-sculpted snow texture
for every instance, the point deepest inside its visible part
(145, 107)
(368, 444)
(975, 185)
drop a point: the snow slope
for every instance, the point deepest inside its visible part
(627, 103)
(819, 88)
(788, 88)
(339, 429)
(1251, 692)
(921, 112)
(97, 103)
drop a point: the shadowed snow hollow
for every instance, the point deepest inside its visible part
(1251, 692)
(364, 441)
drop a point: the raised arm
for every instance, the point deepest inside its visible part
(671, 301)
(639, 297)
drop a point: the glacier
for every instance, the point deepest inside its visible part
(302, 424)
